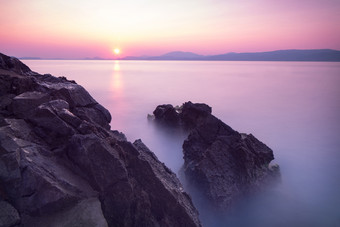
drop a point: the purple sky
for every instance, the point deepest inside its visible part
(76, 29)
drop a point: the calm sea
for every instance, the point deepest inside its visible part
(293, 107)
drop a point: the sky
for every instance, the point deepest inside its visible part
(87, 28)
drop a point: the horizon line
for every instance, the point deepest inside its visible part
(147, 57)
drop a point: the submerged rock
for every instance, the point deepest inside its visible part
(221, 163)
(61, 165)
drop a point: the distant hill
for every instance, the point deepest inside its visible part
(178, 55)
(94, 58)
(325, 55)
(175, 55)
(30, 58)
(279, 55)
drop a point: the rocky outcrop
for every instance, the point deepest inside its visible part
(61, 165)
(221, 163)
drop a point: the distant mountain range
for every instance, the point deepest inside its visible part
(279, 55)
(30, 58)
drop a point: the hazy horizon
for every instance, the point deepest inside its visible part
(80, 29)
(179, 52)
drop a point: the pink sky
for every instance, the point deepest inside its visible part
(84, 28)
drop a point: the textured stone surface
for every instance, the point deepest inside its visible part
(61, 165)
(86, 213)
(27, 101)
(13, 64)
(219, 162)
(8, 215)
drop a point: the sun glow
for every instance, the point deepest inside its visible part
(116, 51)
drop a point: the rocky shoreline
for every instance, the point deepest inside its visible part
(220, 164)
(61, 165)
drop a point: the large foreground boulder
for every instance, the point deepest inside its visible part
(219, 162)
(61, 165)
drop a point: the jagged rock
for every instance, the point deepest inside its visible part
(129, 178)
(103, 167)
(13, 64)
(13, 83)
(27, 101)
(166, 114)
(193, 114)
(163, 187)
(60, 165)
(74, 94)
(95, 114)
(220, 162)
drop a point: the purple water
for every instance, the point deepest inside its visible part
(293, 107)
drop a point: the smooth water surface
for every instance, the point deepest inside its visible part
(293, 107)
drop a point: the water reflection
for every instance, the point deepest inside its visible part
(116, 66)
(116, 78)
(117, 97)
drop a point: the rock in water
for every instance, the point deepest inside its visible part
(61, 165)
(221, 163)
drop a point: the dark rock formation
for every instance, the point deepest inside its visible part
(222, 163)
(61, 165)
(8, 214)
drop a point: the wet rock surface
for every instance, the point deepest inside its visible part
(220, 163)
(61, 165)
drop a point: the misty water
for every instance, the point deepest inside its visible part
(293, 107)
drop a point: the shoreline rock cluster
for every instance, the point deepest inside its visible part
(61, 165)
(220, 163)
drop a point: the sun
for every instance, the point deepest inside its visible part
(116, 51)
